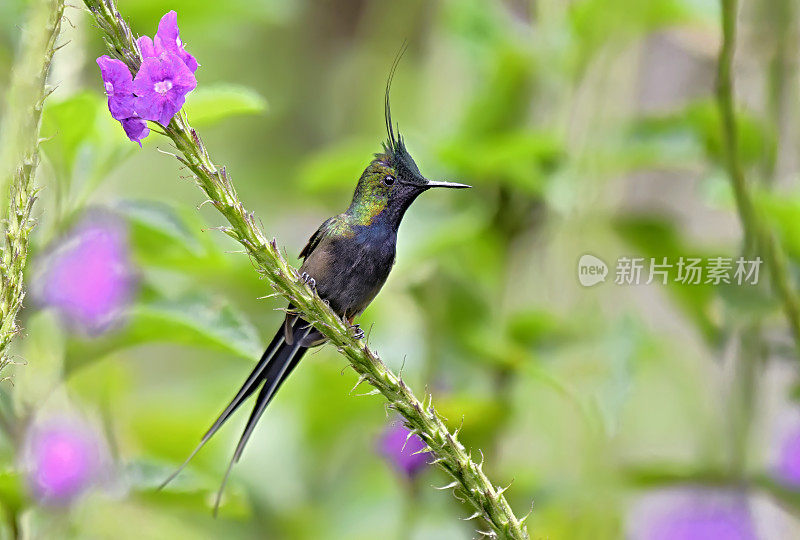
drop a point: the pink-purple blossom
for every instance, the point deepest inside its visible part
(159, 88)
(64, 457)
(146, 47)
(404, 450)
(89, 278)
(135, 128)
(692, 514)
(118, 84)
(168, 39)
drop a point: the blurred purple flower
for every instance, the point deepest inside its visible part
(161, 87)
(65, 457)
(693, 514)
(89, 278)
(118, 85)
(787, 469)
(401, 450)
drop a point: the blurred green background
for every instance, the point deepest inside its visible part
(585, 127)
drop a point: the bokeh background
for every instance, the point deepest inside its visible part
(643, 412)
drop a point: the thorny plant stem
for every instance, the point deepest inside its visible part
(23, 120)
(469, 481)
(758, 239)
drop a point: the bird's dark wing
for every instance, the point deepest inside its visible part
(317, 237)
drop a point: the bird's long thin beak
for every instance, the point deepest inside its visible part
(446, 185)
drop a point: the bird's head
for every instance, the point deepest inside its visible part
(392, 181)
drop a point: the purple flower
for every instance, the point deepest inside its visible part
(402, 451)
(161, 87)
(119, 89)
(135, 128)
(64, 457)
(166, 74)
(693, 514)
(118, 85)
(168, 39)
(89, 277)
(147, 47)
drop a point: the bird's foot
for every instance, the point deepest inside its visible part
(357, 332)
(308, 280)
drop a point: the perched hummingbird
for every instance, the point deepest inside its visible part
(347, 260)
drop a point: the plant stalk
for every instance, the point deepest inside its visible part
(758, 238)
(22, 123)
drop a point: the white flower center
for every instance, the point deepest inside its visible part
(109, 88)
(162, 87)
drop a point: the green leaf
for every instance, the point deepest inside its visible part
(782, 211)
(84, 143)
(162, 218)
(43, 347)
(165, 236)
(503, 102)
(592, 20)
(540, 328)
(66, 125)
(12, 490)
(208, 105)
(188, 491)
(619, 346)
(193, 320)
(664, 142)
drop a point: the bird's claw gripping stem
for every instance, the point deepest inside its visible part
(357, 332)
(308, 280)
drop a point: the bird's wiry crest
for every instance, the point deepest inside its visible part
(387, 110)
(394, 147)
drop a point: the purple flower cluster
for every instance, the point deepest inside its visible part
(159, 89)
(404, 450)
(65, 456)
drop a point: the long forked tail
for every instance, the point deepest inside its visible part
(279, 359)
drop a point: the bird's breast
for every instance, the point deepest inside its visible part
(350, 271)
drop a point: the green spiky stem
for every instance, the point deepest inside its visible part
(23, 120)
(469, 480)
(758, 238)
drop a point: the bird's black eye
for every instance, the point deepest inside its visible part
(388, 180)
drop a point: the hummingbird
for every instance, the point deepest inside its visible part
(347, 260)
